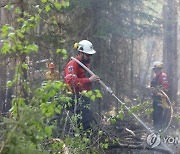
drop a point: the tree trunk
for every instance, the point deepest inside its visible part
(3, 64)
(170, 47)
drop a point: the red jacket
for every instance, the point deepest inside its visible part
(75, 76)
(161, 80)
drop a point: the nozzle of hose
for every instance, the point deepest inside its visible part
(108, 89)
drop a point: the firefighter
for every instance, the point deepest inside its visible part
(52, 74)
(77, 78)
(158, 83)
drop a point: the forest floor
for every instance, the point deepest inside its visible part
(129, 136)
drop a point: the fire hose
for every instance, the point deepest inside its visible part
(171, 109)
(108, 89)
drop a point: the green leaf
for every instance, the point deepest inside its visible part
(52, 93)
(8, 6)
(50, 111)
(9, 83)
(89, 93)
(44, 1)
(18, 10)
(98, 95)
(43, 108)
(37, 18)
(19, 34)
(113, 120)
(32, 47)
(48, 130)
(32, 18)
(120, 115)
(20, 47)
(20, 19)
(65, 57)
(25, 66)
(11, 35)
(58, 6)
(63, 51)
(5, 48)
(93, 97)
(66, 4)
(104, 145)
(100, 132)
(47, 8)
(4, 30)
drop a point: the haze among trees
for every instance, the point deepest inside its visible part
(128, 35)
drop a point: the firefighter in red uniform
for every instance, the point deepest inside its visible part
(77, 78)
(159, 100)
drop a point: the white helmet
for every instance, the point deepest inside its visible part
(86, 46)
(157, 64)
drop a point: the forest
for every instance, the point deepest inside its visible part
(129, 41)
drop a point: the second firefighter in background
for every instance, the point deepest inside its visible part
(159, 82)
(52, 74)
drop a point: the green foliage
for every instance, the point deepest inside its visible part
(13, 40)
(30, 125)
(142, 107)
(63, 52)
(119, 116)
(29, 128)
(92, 94)
(51, 4)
